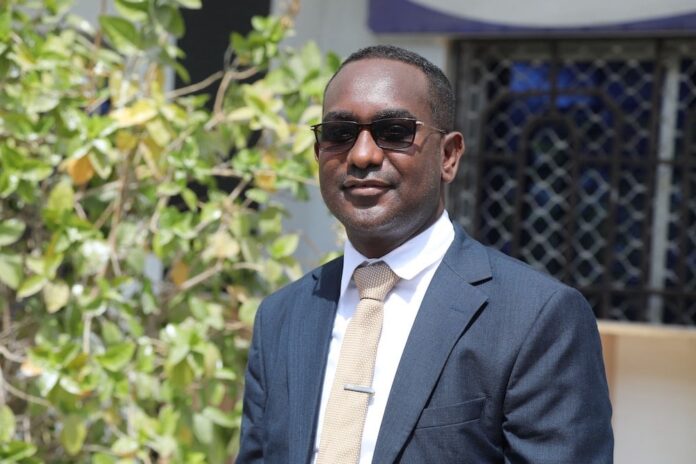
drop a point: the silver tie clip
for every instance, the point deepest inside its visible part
(359, 388)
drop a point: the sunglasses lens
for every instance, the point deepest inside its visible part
(389, 134)
(394, 133)
(336, 135)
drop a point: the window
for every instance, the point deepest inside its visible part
(581, 161)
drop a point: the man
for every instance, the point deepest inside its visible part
(476, 359)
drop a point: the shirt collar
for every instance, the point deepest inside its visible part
(409, 259)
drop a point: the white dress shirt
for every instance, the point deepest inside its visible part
(415, 263)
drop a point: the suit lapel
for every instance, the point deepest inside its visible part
(310, 335)
(445, 313)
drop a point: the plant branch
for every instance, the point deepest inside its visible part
(228, 77)
(99, 449)
(6, 316)
(243, 183)
(101, 220)
(249, 266)
(24, 396)
(96, 190)
(208, 81)
(7, 354)
(6, 332)
(199, 278)
(161, 203)
(96, 104)
(227, 172)
(118, 211)
(236, 326)
(86, 333)
(98, 36)
(80, 211)
(220, 96)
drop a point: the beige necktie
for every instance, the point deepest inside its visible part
(352, 387)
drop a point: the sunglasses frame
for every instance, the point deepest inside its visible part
(346, 146)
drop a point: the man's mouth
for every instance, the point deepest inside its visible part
(365, 187)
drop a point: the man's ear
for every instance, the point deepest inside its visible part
(452, 151)
(316, 150)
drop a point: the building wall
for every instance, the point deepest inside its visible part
(652, 376)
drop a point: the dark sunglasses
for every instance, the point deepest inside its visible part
(388, 134)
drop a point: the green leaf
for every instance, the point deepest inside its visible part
(178, 353)
(138, 113)
(125, 446)
(181, 375)
(190, 199)
(221, 245)
(171, 20)
(5, 24)
(73, 435)
(203, 428)
(168, 420)
(60, 200)
(122, 34)
(111, 333)
(304, 140)
(10, 231)
(133, 10)
(8, 183)
(32, 285)
(192, 4)
(7, 424)
(103, 458)
(117, 356)
(221, 418)
(46, 382)
(16, 451)
(159, 131)
(225, 374)
(258, 195)
(10, 270)
(284, 246)
(56, 295)
(248, 310)
(145, 360)
(168, 189)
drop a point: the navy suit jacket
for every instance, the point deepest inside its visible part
(503, 365)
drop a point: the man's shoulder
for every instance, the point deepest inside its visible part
(320, 280)
(518, 295)
(514, 279)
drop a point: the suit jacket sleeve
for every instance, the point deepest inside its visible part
(557, 406)
(251, 442)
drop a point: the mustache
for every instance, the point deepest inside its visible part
(355, 176)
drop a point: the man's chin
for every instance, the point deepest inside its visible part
(369, 222)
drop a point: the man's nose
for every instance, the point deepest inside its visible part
(365, 151)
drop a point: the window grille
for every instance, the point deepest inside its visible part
(581, 161)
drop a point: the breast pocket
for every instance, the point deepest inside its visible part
(459, 413)
(448, 435)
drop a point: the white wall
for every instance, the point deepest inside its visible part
(652, 376)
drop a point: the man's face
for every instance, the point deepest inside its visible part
(382, 197)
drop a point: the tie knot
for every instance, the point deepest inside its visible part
(375, 281)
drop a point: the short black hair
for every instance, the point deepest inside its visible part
(440, 91)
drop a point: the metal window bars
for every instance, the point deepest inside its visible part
(581, 161)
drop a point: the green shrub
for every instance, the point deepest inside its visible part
(134, 248)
